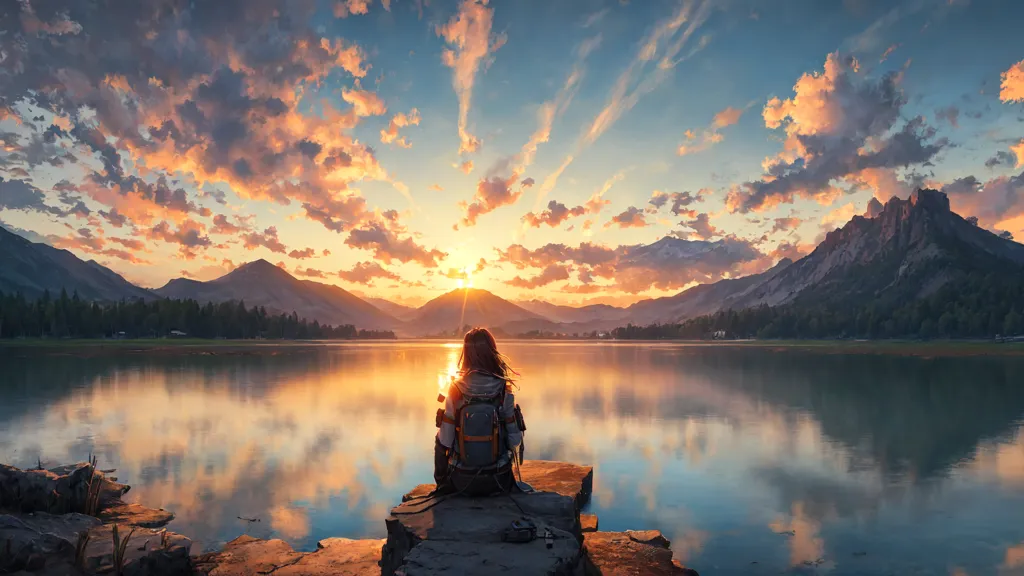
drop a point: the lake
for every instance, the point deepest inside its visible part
(752, 460)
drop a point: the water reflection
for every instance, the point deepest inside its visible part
(749, 460)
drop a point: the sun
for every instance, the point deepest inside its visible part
(465, 279)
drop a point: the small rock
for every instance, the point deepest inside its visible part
(651, 537)
(622, 554)
(124, 514)
(588, 522)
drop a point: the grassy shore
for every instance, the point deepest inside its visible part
(186, 346)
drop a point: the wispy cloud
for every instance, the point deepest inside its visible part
(471, 43)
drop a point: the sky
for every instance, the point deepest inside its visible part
(577, 151)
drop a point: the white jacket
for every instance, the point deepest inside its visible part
(477, 384)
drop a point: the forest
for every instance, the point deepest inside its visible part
(71, 317)
(977, 306)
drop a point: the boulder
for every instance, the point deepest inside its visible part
(588, 522)
(58, 490)
(630, 553)
(544, 476)
(455, 534)
(31, 540)
(46, 544)
(148, 553)
(246, 555)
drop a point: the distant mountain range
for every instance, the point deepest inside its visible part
(261, 283)
(32, 268)
(911, 249)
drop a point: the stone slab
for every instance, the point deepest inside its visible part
(453, 525)
(588, 523)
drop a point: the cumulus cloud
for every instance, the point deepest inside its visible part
(466, 167)
(435, 188)
(190, 236)
(216, 92)
(1001, 157)
(1018, 151)
(470, 45)
(364, 102)
(995, 202)
(668, 264)
(839, 216)
(678, 202)
(303, 254)
(267, 239)
(631, 217)
(387, 246)
(398, 121)
(491, 193)
(345, 8)
(21, 195)
(1011, 88)
(838, 124)
(552, 273)
(557, 213)
(701, 226)
(310, 272)
(366, 272)
(786, 224)
(222, 225)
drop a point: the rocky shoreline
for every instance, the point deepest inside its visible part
(72, 521)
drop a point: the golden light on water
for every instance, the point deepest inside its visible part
(445, 377)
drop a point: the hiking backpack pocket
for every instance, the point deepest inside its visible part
(479, 435)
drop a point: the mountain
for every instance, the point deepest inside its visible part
(397, 310)
(570, 314)
(31, 268)
(466, 306)
(261, 283)
(910, 250)
(699, 300)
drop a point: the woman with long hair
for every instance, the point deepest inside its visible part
(481, 427)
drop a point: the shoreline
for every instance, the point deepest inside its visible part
(201, 347)
(71, 520)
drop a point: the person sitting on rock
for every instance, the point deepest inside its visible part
(481, 427)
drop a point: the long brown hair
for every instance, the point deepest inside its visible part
(480, 354)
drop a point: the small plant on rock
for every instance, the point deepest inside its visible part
(120, 547)
(80, 546)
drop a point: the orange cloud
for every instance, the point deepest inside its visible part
(727, 117)
(1012, 87)
(400, 120)
(554, 215)
(491, 194)
(470, 44)
(631, 217)
(364, 102)
(344, 8)
(1018, 151)
(366, 272)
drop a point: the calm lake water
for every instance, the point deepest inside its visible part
(750, 460)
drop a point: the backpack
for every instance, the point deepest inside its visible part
(479, 432)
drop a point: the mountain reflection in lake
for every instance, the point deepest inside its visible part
(749, 460)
